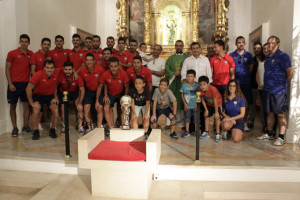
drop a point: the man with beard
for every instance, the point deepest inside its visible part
(124, 57)
(97, 51)
(107, 54)
(110, 42)
(38, 58)
(59, 54)
(43, 83)
(132, 48)
(173, 73)
(76, 55)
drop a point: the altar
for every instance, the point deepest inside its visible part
(163, 22)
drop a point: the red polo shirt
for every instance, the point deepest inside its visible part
(90, 79)
(76, 57)
(20, 65)
(114, 52)
(104, 65)
(68, 85)
(145, 72)
(98, 55)
(115, 86)
(221, 69)
(125, 58)
(38, 60)
(59, 56)
(43, 84)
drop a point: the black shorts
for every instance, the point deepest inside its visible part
(43, 99)
(13, 97)
(275, 103)
(211, 110)
(239, 125)
(89, 97)
(247, 91)
(114, 99)
(72, 96)
(167, 111)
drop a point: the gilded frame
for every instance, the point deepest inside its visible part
(221, 21)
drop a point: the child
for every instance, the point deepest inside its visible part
(141, 98)
(115, 80)
(212, 103)
(161, 105)
(146, 59)
(188, 95)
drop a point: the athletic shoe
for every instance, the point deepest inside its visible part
(185, 134)
(81, 130)
(224, 135)
(205, 134)
(264, 136)
(15, 132)
(26, 129)
(52, 133)
(279, 142)
(62, 131)
(40, 127)
(218, 138)
(246, 129)
(36, 135)
(87, 131)
(173, 135)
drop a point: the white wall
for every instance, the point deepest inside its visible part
(279, 15)
(59, 17)
(239, 21)
(106, 19)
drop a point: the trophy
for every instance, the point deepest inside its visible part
(198, 97)
(126, 103)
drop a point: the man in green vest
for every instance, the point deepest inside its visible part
(173, 73)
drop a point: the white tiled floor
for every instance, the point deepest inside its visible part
(19, 185)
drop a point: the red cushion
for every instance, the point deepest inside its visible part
(122, 151)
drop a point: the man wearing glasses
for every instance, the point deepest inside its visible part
(243, 67)
(222, 67)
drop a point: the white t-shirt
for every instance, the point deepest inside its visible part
(156, 65)
(143, 55)
(261, 71)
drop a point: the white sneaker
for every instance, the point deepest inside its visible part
(246, 129)
(279, 142)
(40, 127)
(224, 135)
(264, 136)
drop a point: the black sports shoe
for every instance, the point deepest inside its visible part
(26, 129)
(173, 135)
(52, 133)
(15, 132)
(36, 135)
(250, 125)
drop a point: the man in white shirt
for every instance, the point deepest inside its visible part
(156, 66)
(196, 62)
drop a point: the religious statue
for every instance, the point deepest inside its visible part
(171, 24)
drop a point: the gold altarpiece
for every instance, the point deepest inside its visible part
(165, 21)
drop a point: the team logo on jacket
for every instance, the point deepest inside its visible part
(119, 81)
(109, 80)
(73, 84)
(226, 62)
(273, 61)
(245, 59)
(235, 102)
(28, 57)
(125, 58)
(80, 55)
(19, 56)
(54, 79)
(65, 54)
(44, 80)
(96, 75)
(100, 55)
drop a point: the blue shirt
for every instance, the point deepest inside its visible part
(275, 76)
(242, 63)
(233, 107)
(189, 93)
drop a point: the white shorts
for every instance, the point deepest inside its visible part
(139, 108)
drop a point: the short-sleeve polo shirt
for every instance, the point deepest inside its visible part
(242, 65)
(68, 85)
(44, 85)
(60, 56)
(125, 58)
(115, 85)
(221, 69)
(76, 57)
(145, 72)
(20, 65)
(38, 59)
(90, 79)
(275, 76)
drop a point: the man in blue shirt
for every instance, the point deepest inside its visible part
(243, 67)
(278, 72)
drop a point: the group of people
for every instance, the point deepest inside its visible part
(96, 79)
